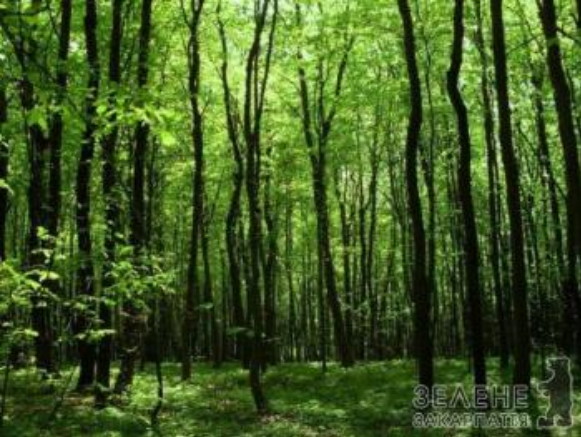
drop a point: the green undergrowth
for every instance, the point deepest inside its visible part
(372, 399)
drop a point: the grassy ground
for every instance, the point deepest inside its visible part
(368, 400)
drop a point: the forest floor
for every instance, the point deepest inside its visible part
(371, 399)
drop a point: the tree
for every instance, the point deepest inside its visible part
(132, 314)
(316, 139)
(86, 272)
(192, 297)
(522, 368)
(471, 251)
(419, 289)
(110, 193)
(563, 106)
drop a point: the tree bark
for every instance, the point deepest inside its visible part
(85, 274)
(563, 104)
(132, 317)
(493, 193)
(316, 143)
(419, 287)
(192, 298)
(4, 157)
(471, 250)
(522, 368)
(110, 196)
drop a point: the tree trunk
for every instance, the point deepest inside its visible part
(4, 156)
(85, 274)
(192, 298)
(522, 368)
(132, 318)
(564, 108)
(471, 251)
(420, 292)
(110, 196)
(493, 193)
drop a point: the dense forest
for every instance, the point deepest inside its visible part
(276, 217)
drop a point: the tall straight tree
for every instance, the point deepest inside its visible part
(56, 125)
(86, 273)
(109, 190)
(316, 134)
(522, 364)
(26, 50)
(493, 190)
(564, 107)
(192, 297)
(4, 155)
(471, 251)
(132, 316)
(419, 287)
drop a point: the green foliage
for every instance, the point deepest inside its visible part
(370, 400)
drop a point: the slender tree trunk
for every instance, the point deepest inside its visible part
(317, 144)
(493, 190)
(132, 317)
(37, 144)
(85, 274)
(270, 264)
(192, 299)
(110, 196)
(522, 368)
(564, 107)
(471, 250)
(255, 88)
(551, 184)
(234, 208)
(4, 156)
(56, 127)
(420, 292)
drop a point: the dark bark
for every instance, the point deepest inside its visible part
(493, 194)
(85, 273)
(4, 156)
(192, 299)
(26, 51)
(522, 368)
(110, 195)
(56, 125)
(563, 105)
(471, 250)
(316, 140)
(254, 94)
(132, 317)
(550, 182)
(270, 264)
(419, 287)
(234, 208)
